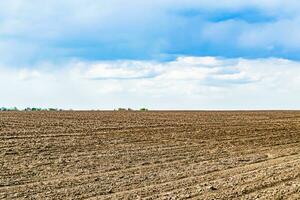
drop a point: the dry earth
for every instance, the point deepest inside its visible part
(150, 155)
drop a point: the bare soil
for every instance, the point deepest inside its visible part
(150, 155)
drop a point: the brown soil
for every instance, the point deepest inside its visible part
(151, 155)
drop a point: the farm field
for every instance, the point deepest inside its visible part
(150, 155)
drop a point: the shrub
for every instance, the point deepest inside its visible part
(3, 109)
(8, 109)
(32, 109)
(14, 109)
(36, 109)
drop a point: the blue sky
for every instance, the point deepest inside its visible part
(161, 30)
(54, 38)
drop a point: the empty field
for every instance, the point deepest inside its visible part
(150, 155)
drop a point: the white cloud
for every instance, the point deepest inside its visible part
(121, 70)
(26, 74)
(186, 83)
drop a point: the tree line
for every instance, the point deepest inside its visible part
(56, 109)
(29, 109)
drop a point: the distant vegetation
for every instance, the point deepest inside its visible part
(8, 109)
(56, 109)
(130, 109)
(29, 109)
(121, 109)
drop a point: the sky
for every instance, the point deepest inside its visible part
(170, 54)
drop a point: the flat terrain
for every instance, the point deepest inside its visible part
(151, 155)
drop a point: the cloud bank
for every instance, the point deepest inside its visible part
(185, 83)
(36, 31)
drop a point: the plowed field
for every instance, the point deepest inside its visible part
(150, 155)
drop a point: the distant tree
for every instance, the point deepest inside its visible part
(143, 109)
(8, 109)
(33, 109)
(3, 109)
(15, 109)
